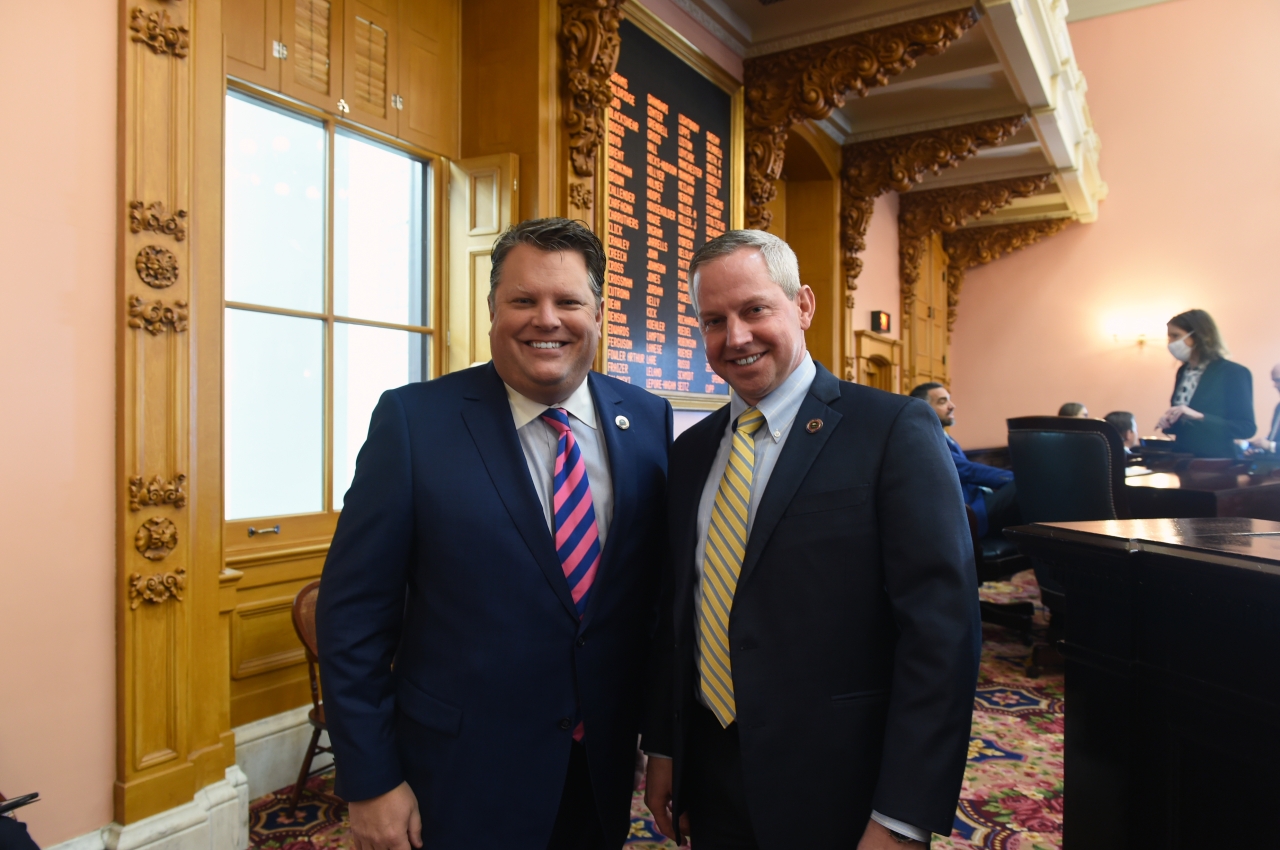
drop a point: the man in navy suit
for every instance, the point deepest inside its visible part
(816, 655)
(486, 606)
(995, 509)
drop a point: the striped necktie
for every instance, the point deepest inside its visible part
(726, 547)
(577, 537)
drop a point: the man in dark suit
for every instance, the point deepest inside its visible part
(989, 490)
(818, 640)
(1266, 443)
(486, 606)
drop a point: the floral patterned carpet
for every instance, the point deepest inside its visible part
(1011, 799)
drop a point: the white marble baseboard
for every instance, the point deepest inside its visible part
(270, 750)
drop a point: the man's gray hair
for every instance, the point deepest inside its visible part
(779, 259)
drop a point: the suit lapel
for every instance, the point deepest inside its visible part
(618, 444)
(798, 454)
(488, 419)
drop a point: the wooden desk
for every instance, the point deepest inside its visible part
(1173, 680)
(1203, 494)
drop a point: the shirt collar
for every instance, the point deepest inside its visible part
(579, 405)
(780, 406)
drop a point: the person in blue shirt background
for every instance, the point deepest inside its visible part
(987, 489)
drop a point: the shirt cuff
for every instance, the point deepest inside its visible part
(921, 835)
(656, 755)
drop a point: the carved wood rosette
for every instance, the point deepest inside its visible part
(589, 46)
(808, 82)
(157, 267)
(869, 169)
(977, 246)
(921, 214)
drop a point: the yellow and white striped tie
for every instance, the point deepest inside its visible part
(726, 547)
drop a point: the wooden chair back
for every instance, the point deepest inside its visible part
(304, 623)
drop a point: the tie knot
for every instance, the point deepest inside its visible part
(750, 421)
(556, 417)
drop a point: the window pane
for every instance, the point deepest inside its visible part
(366, 362)
(274, 207)
(379, 233)
(274, 415)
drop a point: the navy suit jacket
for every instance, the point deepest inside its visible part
(451, 655)
(1225, 397)
(973, 477)
(854, 631)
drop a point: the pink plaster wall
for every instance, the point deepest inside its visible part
(1190, 158)
(680, 21)
(878, 286)
(57, 433)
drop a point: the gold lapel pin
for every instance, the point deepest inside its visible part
(622, 422)
(813, 426)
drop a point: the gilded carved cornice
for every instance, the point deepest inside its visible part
(921, 214)
(809, 82)
(869, 169)
(977, 246)
(589, 44)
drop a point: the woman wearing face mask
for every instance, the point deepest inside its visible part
(1212, 400)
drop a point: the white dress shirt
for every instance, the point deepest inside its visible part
(540, 442)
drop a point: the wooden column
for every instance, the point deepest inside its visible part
(173, 725)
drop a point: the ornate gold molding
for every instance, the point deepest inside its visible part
(157, 492)
(809, 82)
(870, 169)
(156, 538)
(156, 588)
(152, 217)
(157, 267)
(581, 197)
(155, 316)
(977, 246)
(921, 214)
(155, 30)
(589, 44)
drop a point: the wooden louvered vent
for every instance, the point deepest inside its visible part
(370, 93)
(312, 20)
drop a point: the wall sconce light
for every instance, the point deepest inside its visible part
(880, 321)
(1140, 339)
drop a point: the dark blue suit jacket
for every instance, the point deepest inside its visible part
(854, 632)
(450, 652)
(973, 477)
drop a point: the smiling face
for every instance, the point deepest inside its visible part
(753, 333)
(545, 323)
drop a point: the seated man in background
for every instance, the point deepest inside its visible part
(1127, 425)
(987, 489)
(1074, 408)
(1267, 443)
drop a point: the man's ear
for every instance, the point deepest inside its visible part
(807, 304)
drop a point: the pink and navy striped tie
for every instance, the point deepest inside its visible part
(577, 537)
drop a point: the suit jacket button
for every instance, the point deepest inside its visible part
(566, 723)
(582, 641)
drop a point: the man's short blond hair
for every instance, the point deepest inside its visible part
(779, 259)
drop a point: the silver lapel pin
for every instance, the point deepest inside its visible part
(622, 422)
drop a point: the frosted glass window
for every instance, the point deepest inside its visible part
(366, 362)
(379, 233)
(274, 415)
(275, 210)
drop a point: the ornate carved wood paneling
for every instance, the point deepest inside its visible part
(157, 31)
(157, 267)
(870, 169)
(589, 45)
(153, 217)
(808, 82)
(977, 246)
(156, 317)
(921, 214)
(157, 492)
(156, 588)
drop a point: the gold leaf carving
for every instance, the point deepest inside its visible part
(155, 30)
(153, 218)
(921, 214)
(580, 196)
(156, 588)
(156, 266)
(157, 492)
(808, 82)
(869, 169)
(977, 246)
(589, 44)
(156, 538)
(154, 316)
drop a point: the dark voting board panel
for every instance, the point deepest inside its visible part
(668, 193)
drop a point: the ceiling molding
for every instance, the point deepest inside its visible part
(714, 27)
(828, 33)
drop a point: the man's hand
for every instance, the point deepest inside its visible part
(389, 822)
(1262, 444)
(657, 796)
(876, 837)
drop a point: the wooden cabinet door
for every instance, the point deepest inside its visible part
(482, 202)
(312, 32)
(369, 63)
(251, 29)
(427, 99)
